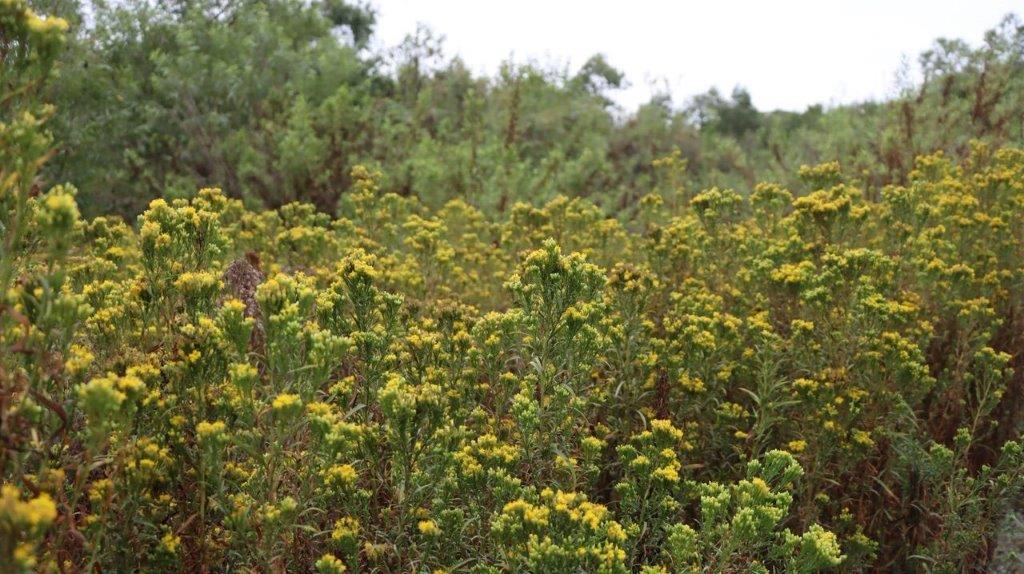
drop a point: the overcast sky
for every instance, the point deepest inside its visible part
(787, 53)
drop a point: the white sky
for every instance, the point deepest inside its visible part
(787, 53)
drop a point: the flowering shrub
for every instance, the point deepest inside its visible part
(797, 381)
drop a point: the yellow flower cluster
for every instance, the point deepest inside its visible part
(553, 389)
(22, 525)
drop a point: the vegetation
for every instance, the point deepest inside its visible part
(405, 334)
(276, 101)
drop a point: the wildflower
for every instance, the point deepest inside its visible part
(170, 542)
(664, 428)
(243, 376)
(80, 360)
(799, 326)
(536, 515)
(667, 473)
(281, 512)
(863, 438)
(198, 284)
(101, 397)
(428, 528)
(340, 475)
(58, 212)
(691, 384)
(100, 490)
(35, 513)
(286, 406)
(592, 446)
(330, 564)
(374, 551)
(640, 463)
(210, 431)
(345, 528)
(819, 549)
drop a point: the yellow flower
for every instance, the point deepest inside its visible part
(330, 564)
(80, 360)
(428, 528)
(30, 515)
(345, 529)
(100, 490)
(210, 430)
(340, 474)
(592, 446)
(691, 384)
(286, 405)
(170, 542)
(661, 427)
(198, 284)
(667, 473)
(537, 515)
(100, 397)
(863, 438)
(58, 212)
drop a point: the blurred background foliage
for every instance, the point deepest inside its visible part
(275, 101)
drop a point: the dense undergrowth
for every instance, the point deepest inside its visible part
(805, 379)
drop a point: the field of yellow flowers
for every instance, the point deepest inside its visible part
(800, 380)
